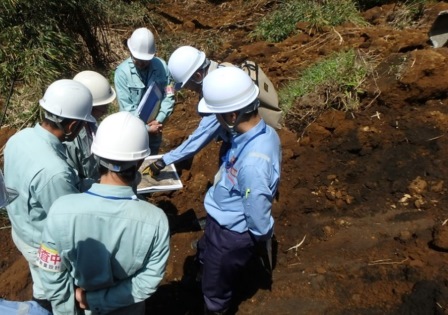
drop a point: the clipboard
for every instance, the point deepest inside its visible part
(150, 103)
(168, 178)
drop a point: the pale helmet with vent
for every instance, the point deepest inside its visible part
(183, 63)
(68, 99)
(99, 86)
(226, 90)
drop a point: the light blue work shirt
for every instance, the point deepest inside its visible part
(79, 155)
(108, 242)
(36, 168)
(131, 85)
(21, 308)
(241, 197)
(208, 129)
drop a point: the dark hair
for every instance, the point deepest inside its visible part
(128, 175)
(247, 116)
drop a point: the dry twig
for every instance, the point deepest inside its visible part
(340, 37)
(386, 262)
(298, 245)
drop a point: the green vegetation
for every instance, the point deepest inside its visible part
(42, 41)
(281, 23)
(334, 82)
(407, 13)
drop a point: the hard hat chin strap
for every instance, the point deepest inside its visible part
(58, 120)
(245, 110)
(203, 67)
(117, 166)
(241, 115)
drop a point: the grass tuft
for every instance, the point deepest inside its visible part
(335, 82)
(317, 15)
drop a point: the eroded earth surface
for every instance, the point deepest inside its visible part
(366, 191)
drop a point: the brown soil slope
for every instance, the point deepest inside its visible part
(365, 191)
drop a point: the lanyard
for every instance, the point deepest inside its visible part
(231, 162)
(134, 197)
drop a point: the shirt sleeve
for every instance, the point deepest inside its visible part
(167, 104)
(123, 94)
(141, 285)
(257, 199)
(208, 129)
(61, 184)
(58, 285)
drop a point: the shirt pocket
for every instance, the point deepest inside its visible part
(231, 182)
(135, 94)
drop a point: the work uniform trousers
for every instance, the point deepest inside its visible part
(223, 254)
(155, 141)
(30, 254)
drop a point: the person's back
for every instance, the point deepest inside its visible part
(108, 244)
(105, 241)
(36, 168)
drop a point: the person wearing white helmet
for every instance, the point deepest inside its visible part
(78, 151)
(238, 205)
(36, 169)
(106, 250)
(134, 75)
(16, 307)
(188, 67)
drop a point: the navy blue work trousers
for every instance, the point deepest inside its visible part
(223, 254)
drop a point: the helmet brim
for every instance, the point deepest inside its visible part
(205, 108)
(106, 101)
(90, 118)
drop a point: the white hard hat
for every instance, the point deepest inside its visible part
(68, 99)
(121, 137)
(98, 85)
(226, 90)
(142, 44)
(183, 62)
